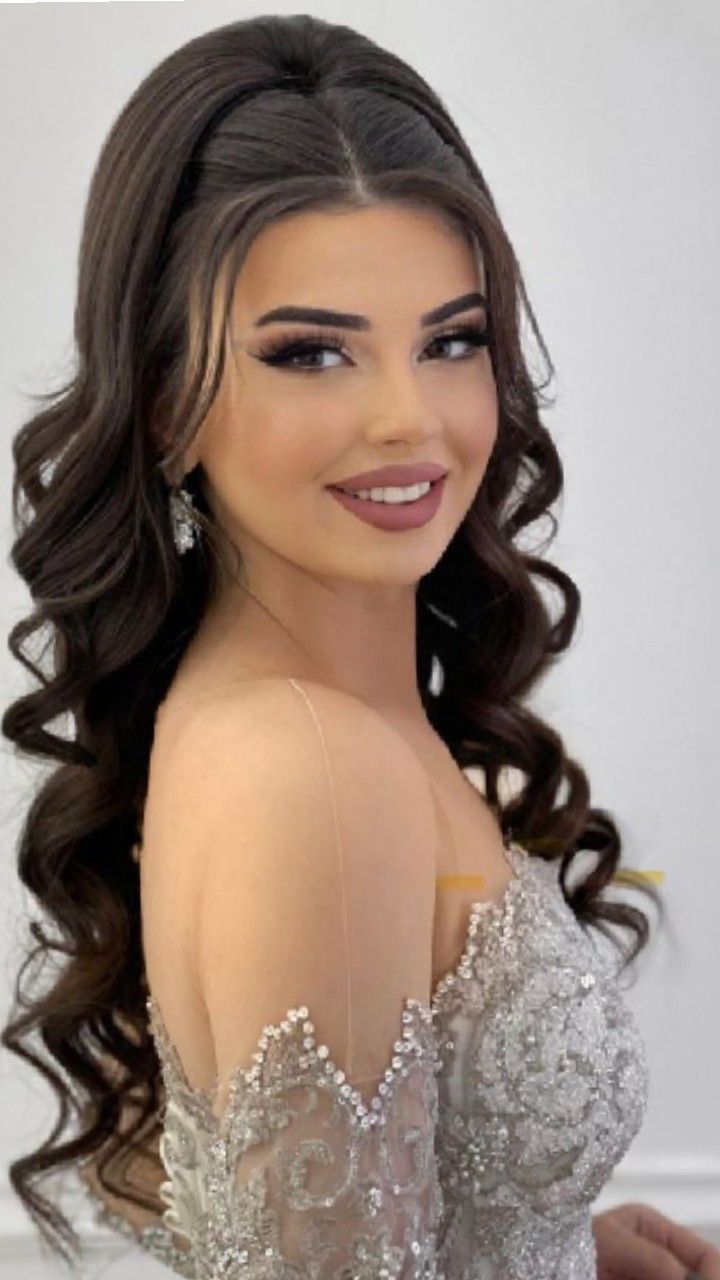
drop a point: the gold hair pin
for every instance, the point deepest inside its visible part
(628, 875)
(460, 882)
(631, 874)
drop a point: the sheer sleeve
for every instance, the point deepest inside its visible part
(312, 1156)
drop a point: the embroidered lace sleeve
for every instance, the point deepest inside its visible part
(301, 1175)
(312, 1154)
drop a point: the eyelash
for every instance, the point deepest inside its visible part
(285, 347)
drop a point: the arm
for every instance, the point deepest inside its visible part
(314, 920)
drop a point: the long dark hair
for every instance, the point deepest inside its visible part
(242, 125)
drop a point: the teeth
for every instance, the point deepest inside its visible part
(393, 494)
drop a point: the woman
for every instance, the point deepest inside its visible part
(341, 1012)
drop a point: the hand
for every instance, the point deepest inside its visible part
(636, 1242)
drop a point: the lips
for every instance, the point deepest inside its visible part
(393, 516)
(391, 476)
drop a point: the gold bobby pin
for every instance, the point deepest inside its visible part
(460, 882)
(628, 873)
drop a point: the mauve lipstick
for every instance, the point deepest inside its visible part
(393, 516)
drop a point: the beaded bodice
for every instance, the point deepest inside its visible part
(543, 1083)
(507, 1103)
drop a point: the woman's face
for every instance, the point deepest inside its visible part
(281, 430)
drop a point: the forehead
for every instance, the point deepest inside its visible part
(361, 259)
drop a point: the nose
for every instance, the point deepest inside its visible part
(399, 409)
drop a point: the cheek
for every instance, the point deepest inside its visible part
(288, 450)
(281, 447)
(475, 425)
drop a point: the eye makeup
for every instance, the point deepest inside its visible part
(288, 346)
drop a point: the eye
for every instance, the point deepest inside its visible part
(284, 350)
(472, 334)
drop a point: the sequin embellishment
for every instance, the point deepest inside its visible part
(507, 1103)
(250, 1191)
(543, 1085)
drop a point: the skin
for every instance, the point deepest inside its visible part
(340, 594)
(636, 1242)
(343, 590)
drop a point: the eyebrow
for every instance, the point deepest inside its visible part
(347, 320)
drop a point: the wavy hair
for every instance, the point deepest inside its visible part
(247, 123)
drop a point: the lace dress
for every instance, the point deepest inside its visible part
(506, 1105)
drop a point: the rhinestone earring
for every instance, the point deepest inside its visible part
(185, 528)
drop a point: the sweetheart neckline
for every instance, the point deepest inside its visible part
(482, 909)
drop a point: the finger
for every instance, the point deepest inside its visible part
(622, 1254)
(695, 1253)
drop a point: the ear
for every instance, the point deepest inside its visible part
(191, 456)
(175, 471)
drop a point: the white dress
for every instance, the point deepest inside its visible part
(506, 1105)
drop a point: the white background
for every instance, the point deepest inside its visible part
(596, 127)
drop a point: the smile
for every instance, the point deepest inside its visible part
(394, 515)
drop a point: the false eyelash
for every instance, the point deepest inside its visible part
(286, 345)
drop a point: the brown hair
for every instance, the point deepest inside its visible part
(246, 123)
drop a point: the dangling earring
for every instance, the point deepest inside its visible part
(185, 528)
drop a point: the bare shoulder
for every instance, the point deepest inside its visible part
(306, 748)
(267, 724)
(303, 828)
